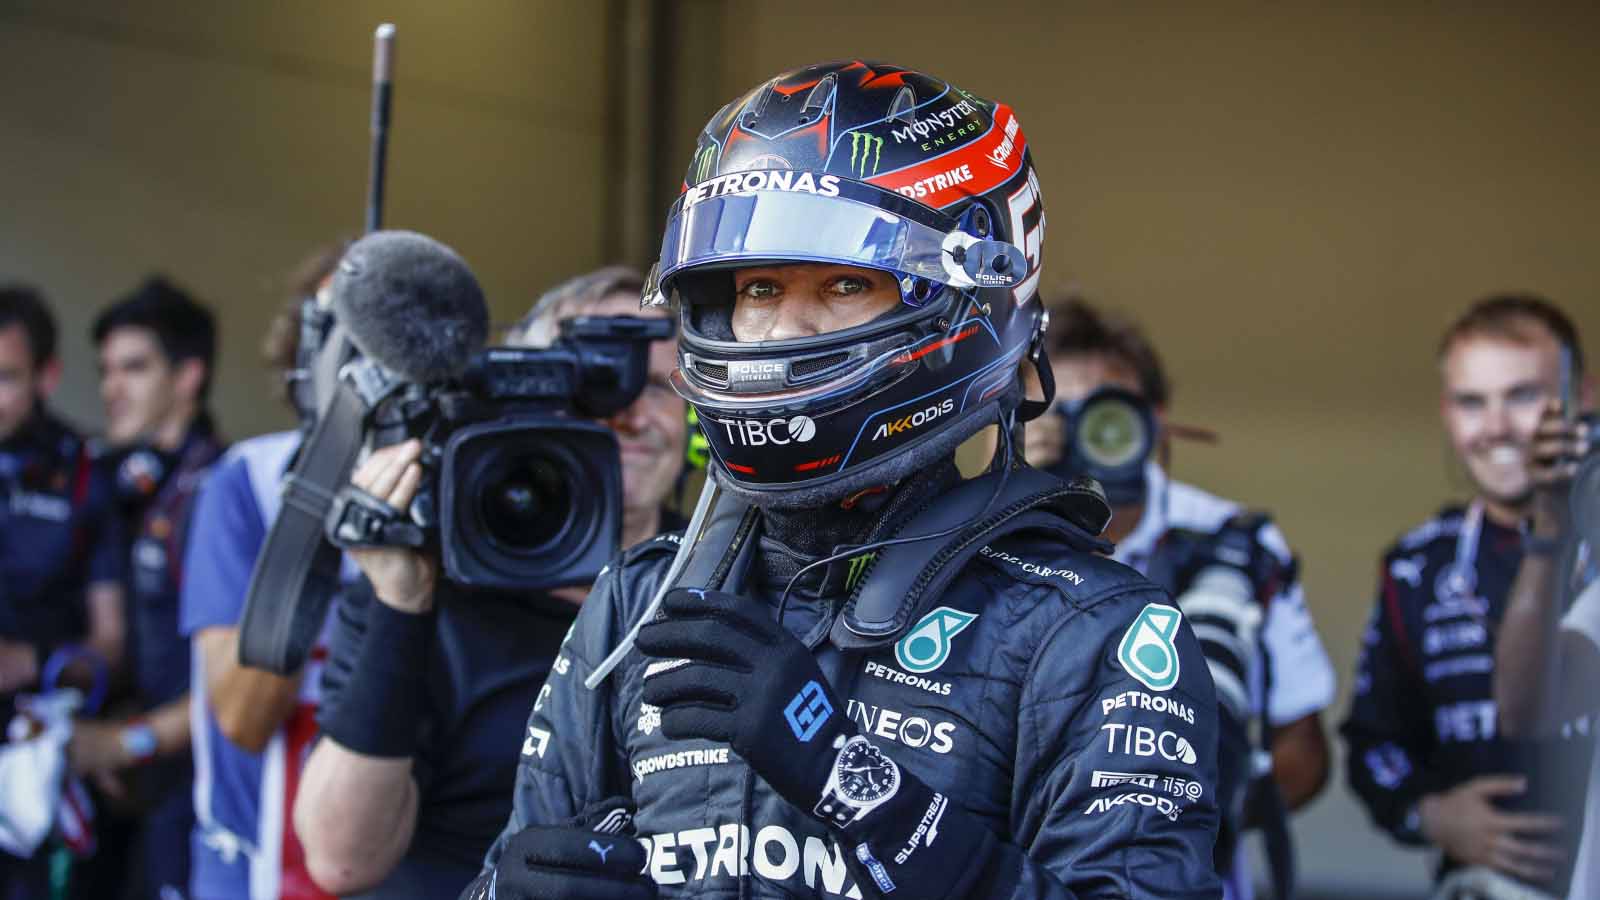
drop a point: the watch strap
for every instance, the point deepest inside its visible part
(139, 741)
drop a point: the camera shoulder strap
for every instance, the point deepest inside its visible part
(903, 578)
(298, 570)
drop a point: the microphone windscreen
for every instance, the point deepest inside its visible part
(411, 304)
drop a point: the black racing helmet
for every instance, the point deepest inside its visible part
(869, 165)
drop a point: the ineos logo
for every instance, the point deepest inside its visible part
(757, 433)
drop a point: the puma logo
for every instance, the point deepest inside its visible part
(601, 851)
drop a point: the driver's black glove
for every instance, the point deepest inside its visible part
(575, 861)
(729, 672)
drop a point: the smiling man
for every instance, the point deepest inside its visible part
(1425, 756)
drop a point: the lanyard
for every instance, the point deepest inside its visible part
(1456, 587)
(1459, 581)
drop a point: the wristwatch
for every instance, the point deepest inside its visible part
(861, 780)
(139, 741)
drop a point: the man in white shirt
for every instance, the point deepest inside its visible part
(1289, 679)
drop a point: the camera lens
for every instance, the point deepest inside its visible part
(525, 502)
(1112, 433)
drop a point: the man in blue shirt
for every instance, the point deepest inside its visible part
(250, 728)
(61, 550)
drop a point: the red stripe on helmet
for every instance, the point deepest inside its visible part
(980, 166)
(818, 463)
(942, 342)
(747, 470)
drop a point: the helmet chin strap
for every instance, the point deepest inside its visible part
(1028, 410)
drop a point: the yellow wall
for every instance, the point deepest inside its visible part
(221, 142)
(1294, 201)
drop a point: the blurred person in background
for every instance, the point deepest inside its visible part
(1112, 397)
(156, 347)
(1547, 658)
(411, 818)
(62, 554)
(251, 729)
(1425, 753)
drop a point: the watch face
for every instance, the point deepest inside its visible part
(865, 774)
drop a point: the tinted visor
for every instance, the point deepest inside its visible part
(793, 216)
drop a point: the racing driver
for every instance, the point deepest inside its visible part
(858, 673)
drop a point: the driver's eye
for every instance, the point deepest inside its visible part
(849, 284)
(760, 290)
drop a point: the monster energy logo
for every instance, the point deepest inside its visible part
(704, 159)
(858, 564)
(698, 452)
(870, 147)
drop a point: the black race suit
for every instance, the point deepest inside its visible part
(1423, 717)
(1099, 785)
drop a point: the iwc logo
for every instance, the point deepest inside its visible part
(927, 645)
(1147, 650)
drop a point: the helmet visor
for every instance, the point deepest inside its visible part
(793, 216)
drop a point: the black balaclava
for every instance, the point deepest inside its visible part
(793, 538)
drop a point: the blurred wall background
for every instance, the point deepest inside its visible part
(1293, 200)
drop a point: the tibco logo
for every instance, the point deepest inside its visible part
(778, 432)
(915, 420)
(1139, 740)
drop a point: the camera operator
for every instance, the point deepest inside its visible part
(405, 813)
(652, 430)
(156, 348)
(251, 728)
(1265, 653)
(868, 675)
(1425, 755)
(62, 556)
(1547, 661)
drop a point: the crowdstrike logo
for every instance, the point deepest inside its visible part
(1000, 156)
(679, 759)
(933, 184)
